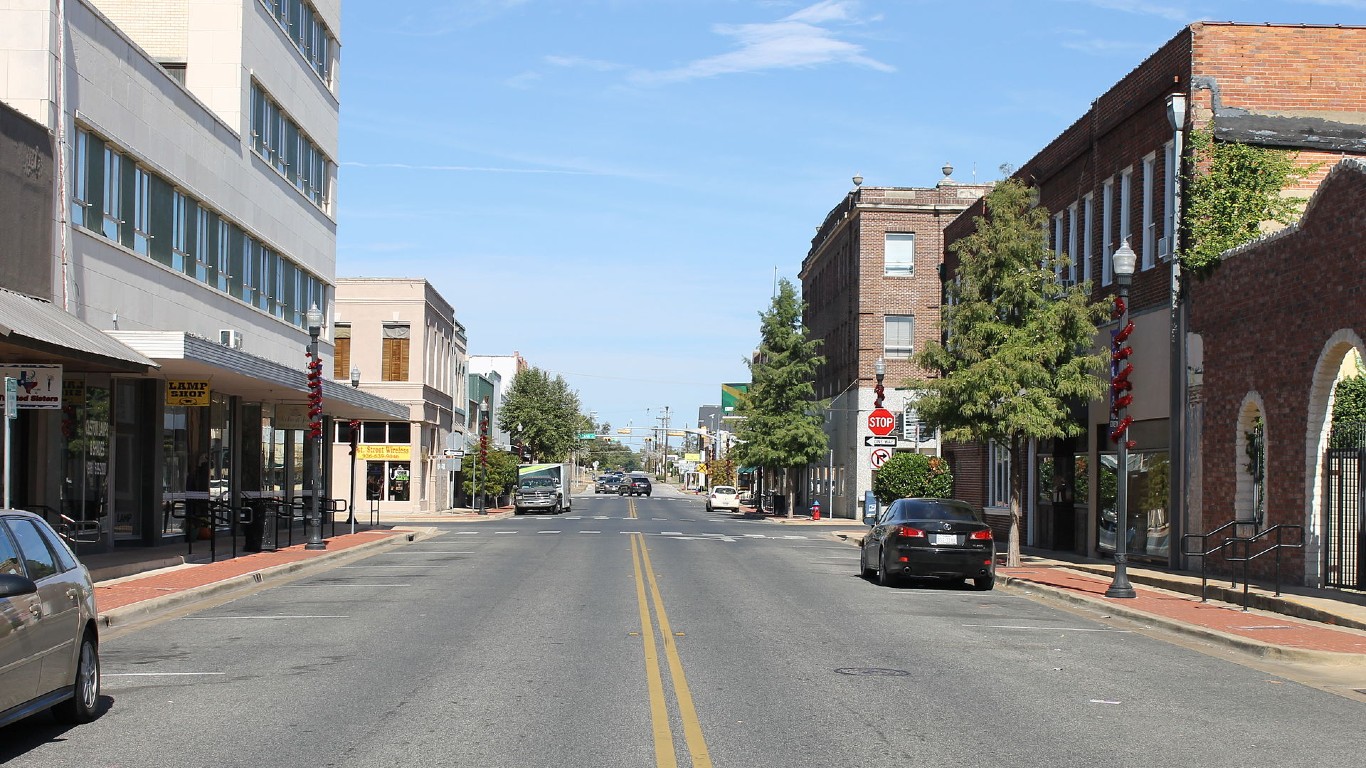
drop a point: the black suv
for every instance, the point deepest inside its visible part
(635, 486)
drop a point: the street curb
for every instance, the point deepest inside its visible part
(1242, 644)
(146, 610)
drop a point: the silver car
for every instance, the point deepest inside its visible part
(49, 644)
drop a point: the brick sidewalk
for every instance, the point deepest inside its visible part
(119, 593)
(1257, 626)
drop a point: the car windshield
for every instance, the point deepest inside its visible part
(723, 489)
(933, 509)
(538, 482)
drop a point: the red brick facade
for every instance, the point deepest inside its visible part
(1276, 320)
(1292, 86)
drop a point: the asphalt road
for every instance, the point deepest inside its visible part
(519, 643)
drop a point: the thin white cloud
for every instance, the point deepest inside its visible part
(1142, 8)
(795, 41)
(1079, 40)
(467, 168)
(579, 62)
(456, 15)
(1358, 4)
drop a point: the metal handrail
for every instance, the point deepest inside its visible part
(1246, 543)
(1205, 550)
(72, 530)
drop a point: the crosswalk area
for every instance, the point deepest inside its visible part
(675, 535)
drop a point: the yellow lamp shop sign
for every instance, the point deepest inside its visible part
(192, 392)
(384, 452)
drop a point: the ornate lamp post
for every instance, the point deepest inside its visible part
(483, 454)
(1120, 386)
(313, 522)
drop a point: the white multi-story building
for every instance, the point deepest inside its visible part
(506, 367)
(195, 145)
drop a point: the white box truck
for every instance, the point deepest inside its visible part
(543, 488)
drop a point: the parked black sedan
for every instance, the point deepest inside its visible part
(932, 539)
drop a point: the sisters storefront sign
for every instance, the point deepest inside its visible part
(40, 386)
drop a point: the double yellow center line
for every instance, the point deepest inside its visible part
(665, 756)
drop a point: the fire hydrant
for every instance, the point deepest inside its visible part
(816, 509)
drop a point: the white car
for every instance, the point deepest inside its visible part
(723, 497)
(49, 643)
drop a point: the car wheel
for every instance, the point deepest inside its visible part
(518, 511)
(985, 583)
(884, 575)
(80, 708)
(863, 570)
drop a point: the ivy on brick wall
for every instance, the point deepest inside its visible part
(1231, 189)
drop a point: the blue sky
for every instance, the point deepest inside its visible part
(611, 186)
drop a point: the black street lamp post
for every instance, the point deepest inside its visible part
(313, 521)
(1120, 368)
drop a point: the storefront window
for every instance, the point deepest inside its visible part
(85, 433)
(387, 480)
(1148, 527)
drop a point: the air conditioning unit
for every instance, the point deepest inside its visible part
(230, 338)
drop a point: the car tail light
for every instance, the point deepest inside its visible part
(980, 535)
(908, 532)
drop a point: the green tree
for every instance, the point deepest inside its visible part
(542, 414)
(782, 428)
(500, 477)
(913, 475)
(1019, 350)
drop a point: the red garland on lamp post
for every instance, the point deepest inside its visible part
(313, 521)
(1120, 398)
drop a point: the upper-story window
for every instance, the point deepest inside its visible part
(341, 352)
(394, 353)
(280, 142)
(80, 180)
(1072, 252)
(898, 336)
(1149, 224)
(142, 210)
(113, 193)
(306, 30)
(1107, 236)
(899, 253)
(129, 204)
(1164, 250)
(1088, 220)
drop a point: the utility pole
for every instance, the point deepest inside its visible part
(664, 454)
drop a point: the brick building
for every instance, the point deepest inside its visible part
(1278, 362)
(1110, 177)
(871, 283)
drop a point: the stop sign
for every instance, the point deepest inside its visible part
(881, 422)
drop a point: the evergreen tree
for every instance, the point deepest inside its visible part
(1019, 348)
(782, 428)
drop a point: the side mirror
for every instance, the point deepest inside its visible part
(12, 585)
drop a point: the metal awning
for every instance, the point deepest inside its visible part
(232, 371)
(34, 331)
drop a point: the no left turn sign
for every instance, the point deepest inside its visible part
(878, 456)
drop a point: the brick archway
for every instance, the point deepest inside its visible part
(1327, 372)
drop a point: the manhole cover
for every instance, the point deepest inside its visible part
(872, 672)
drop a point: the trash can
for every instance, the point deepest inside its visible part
(779, 504)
